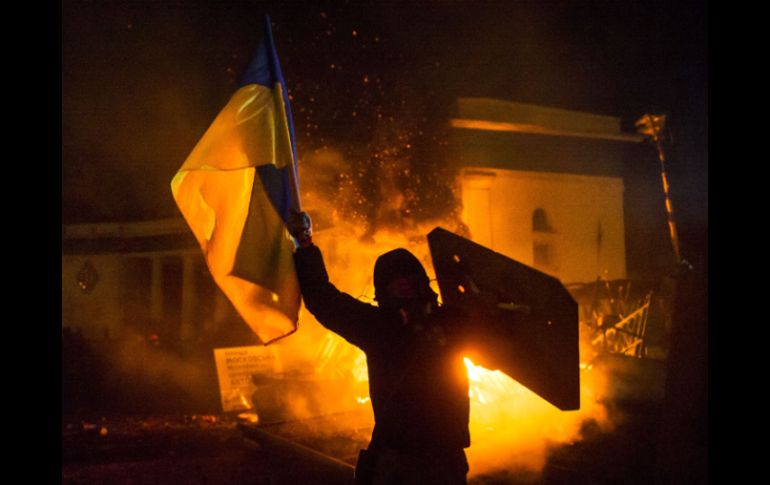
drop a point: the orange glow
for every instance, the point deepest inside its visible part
(484, 125)
(487, 386)
(510, 426)
(360, 371)
(250, 417)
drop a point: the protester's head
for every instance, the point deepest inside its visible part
(400, 281)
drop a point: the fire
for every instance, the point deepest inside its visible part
(510, 425)
(489, 387)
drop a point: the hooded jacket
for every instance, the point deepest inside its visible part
(418, 382)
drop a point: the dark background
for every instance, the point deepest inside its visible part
(141, 81)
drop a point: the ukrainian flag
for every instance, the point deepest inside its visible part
(235, 190)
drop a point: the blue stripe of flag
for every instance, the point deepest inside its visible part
(265, 70)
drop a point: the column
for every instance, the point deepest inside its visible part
(187, 330)
(156, 292)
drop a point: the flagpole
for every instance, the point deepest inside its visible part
(293, 182)
(282, 101)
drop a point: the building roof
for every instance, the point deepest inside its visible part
(160, 235)
(502, 134)
(498, 115)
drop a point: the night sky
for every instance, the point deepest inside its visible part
(141, 81)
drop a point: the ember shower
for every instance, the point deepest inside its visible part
(371, 130)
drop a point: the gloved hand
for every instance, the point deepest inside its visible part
(299, 226)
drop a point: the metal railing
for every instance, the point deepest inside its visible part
(627, 335)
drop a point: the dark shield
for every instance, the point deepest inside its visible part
(521, 321)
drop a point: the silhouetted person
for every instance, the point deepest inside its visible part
(418, 382)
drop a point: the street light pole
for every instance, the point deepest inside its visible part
(653, 126)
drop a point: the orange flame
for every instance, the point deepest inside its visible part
(511, 427)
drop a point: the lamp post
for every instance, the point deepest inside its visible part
(653, 126)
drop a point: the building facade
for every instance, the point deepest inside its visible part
(139, 279)
(544, 186)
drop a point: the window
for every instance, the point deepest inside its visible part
(542, 240)
(540, 221)
(542, 254)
